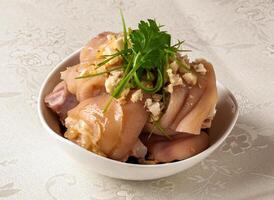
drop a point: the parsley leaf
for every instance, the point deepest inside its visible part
(146, 54)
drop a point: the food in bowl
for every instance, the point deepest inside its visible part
(134, 97)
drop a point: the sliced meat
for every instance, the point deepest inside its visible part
(193, 96)
(93, 86)
(60, 100)
(193, 120)
(113, 134)
(176, 101)
(135, 118)
(83, 88)
(179, 147)
(190, 107)
(88, 53)
(95, 130)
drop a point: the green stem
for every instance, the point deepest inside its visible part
(161, 129)
(109, 59)
(183, 66)
(157, 87)
(122, 84)
(108, 104)
(128, 65)
(124, 30)
(98, 74)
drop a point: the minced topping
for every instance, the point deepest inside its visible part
(115, 44)
(79, 131)
(200, 68)
(154, 108)
(109, 51)
(174, 66)
(174, 79)
(137, 96)
(112, 80)
(118, 43)
(183, 63)
(86, 71)
(190, 78)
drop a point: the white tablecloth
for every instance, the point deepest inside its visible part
(237, 36)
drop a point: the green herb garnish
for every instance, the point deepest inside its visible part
(146, 55)
(149, 53)
(99, 73)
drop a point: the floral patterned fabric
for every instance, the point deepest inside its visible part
(237, 36)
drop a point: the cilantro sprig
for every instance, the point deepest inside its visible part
(146, 54)
(149, 53)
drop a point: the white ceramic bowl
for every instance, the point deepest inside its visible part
(226, 116)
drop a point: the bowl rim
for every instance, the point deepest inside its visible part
(206, 152)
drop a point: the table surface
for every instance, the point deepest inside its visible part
(237, 36)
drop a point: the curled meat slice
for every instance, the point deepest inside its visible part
(179, 147)
(190, 107)
(83, 88)
(113, 134)
(60, 100)
(176, 101)
(134, 119)
(88, 53)
(199, 104)
(89, 127)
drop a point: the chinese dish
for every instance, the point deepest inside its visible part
(134, 97)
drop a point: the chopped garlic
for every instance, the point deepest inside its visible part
(200, 68)
(113, 80)
(117, 73)
(111, 37)
(115, 43)
(100, 69)
(109, 84)
(183, 63)
(148, 102)
(89, 69)
(154, 108)
(85, 72)
(109, 51)
(86, 137)
(118, 43)
(169, 73)
(137, 96)
(190, 78)
(174, 79)
(174, 66)
(79, 132)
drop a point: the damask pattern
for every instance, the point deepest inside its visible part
(236, 35)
